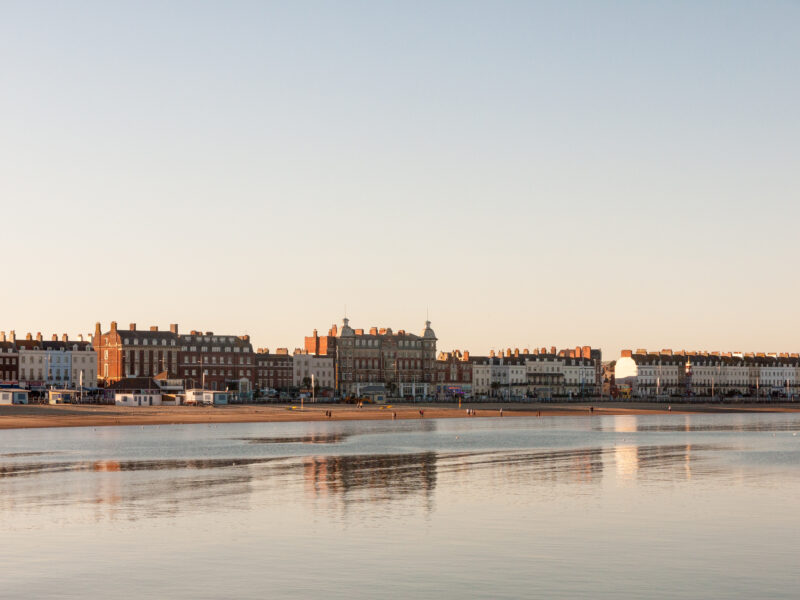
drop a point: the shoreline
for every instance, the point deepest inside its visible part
(42, 416)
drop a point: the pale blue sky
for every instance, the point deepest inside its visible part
(616, 174)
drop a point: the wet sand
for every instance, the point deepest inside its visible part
(15, 417)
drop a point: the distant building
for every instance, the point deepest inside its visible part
(540, 373)
(304, 366)
(453, 375)
(135, 353)
(274, 371)
(681, 373)
(216, 362)
(61, 363)
(9, 359)
(404, 362)
(206, 360)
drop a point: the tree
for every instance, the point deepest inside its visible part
(306, 382)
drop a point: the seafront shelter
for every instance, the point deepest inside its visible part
(62, 397)
(150, 398)
(13, 396)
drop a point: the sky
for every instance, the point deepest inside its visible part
(528, 174)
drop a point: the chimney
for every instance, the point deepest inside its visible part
(54, 337)
(174, 328)
(627, 354)
(508, 352)
(466, 355)
(209, 333)
(516, 352)
(80, 337)
(113, 327)
(153, 327)
(132, 326)
(2, 336)
(39, 337)
(315, 333)
(373, 331)
(491, 354)
(552, 349)
(12, 337)
(525, 351)
(64, 337)
(587, 352)
(28, 336)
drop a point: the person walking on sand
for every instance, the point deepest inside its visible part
(591, 409)
(394, 415)
(501, 411)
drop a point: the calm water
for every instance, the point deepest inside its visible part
(602, 507)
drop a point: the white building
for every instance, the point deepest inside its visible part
(307, 365)
(709, 373)
(60, 363)
(208, 397)
(144, 398)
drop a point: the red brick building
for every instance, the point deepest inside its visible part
(224, 359)
(453, 374)
(135, 353)
(9, 360)
(322, 346)
(216, 362)
(274, 371)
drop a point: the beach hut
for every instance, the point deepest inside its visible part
(13, 396)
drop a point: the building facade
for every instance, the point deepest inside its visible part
(321, 368)
(404, 362)
(63, 363)
(9, 360)
(216, 362)
(453, 375)
(668, 373)
(274, 371)
(135, 353)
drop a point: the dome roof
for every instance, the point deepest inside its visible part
(346, 329)
(428, 332)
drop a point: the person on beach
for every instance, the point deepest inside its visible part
(394, 415)
(501, 412)
(421, 414)
(591, 409)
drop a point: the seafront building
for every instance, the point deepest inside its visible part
(274, 371)
(541, 373)
(55, 363)
(403, 363)
(213, 361)
(682, 373)
(306, 367)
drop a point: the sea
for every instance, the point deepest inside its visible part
(661, 506)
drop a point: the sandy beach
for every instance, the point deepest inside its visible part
(15, 417)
